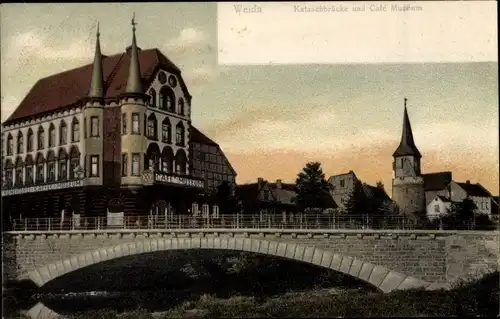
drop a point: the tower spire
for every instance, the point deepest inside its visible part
(97, 83)
(407, 145)
(134, 84)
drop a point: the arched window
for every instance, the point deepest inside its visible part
(166, 131)
(51, 167)
(180, 162)
(29, 169)
(20, 143)
(62, 160)
(9, 173)
(152, 127)
(75, 130)
(63, 133)
(167, 99)
(40, 169)
(181, 107)
(167, 160)
(30, 141)
(52, 135)
(41, 138)
(152, 98)
(152, 157)
(74, 162)
(179, 134)
(19, 171)
(10, 144)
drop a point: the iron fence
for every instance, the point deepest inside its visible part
(234, 221)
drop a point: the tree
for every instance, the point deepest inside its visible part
(312, 188)
(356, 205)
(225, 199)
(461, 214)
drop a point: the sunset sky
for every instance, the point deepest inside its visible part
(272, 119)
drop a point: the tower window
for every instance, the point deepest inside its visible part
(135, 123)
(124, 164)
(94, 165)
(135, 164)
(94, 126)
(124, 124)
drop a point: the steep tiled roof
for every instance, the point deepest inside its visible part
(474, 189)
(436, 181)
(198, 137)
(68, 88)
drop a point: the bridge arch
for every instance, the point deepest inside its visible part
(379, 276)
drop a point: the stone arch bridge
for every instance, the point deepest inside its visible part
(387, 259)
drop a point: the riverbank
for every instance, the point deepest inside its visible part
(477, 298)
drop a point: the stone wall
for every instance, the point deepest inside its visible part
(437, 257)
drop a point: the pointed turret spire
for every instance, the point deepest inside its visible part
(97, 83)
(134, 84)
(407, 145)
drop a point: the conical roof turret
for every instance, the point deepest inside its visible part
(407, 145)
(96, 89)
(134, 84)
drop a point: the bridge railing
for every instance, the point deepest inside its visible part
(234, 221)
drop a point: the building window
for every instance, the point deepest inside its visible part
(152, 131)
(135, 164)
(135, 123)
(73, 164)
(406, 189)
(63, 170)
(20, 143)
(152, 97)
(63, 133)
(40, 173)
(342, 183)
(51, 171)
(179, 134)
(124, 164)
(10, 145)
(94, 126)
(52, 135)
(19, 176)
(29, 175)
(75, 131)
(436, 208)
(166, 129)
(30, 141)
(94, 165)
(181, 106)
(9, 178)
(124, 123)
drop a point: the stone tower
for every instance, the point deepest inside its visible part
(408, 182)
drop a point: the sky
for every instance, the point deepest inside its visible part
(270, 120)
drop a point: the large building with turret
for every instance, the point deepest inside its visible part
(111, 137)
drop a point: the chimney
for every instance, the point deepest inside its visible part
(260, 181)
(467, 182)
(278, 183)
